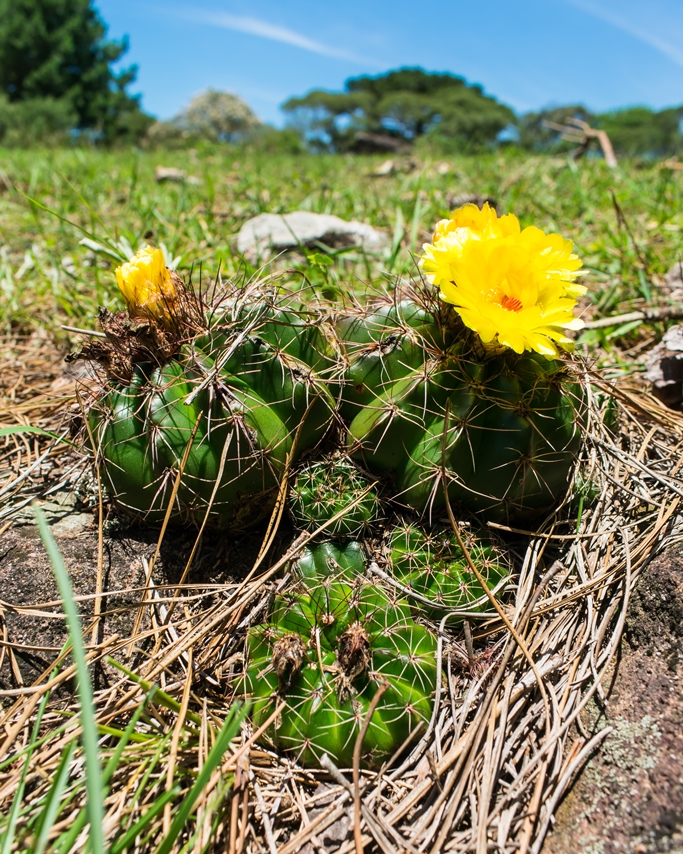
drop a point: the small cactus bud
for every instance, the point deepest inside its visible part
(324, 488)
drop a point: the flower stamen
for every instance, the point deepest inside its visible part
(511, 303)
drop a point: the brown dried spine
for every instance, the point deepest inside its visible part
(289, 654)
(353, 653)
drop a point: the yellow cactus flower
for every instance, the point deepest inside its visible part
(514, 287)
(146, 284)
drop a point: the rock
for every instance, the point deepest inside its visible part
(269, 234)
(73, 525)
(665, 368)
(384, 169)
(629, 797)
(393, 167)
(169, 173)
(674, 281)
(373, 143)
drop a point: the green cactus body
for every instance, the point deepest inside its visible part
(330, 486)
(431, 564)
(423, 397)
(331, 560)
(326, 651)
(242, 395)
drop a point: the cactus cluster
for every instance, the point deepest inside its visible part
(329, 646)
(225, 414)
(376, 414)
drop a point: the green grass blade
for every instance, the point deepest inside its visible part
(53, 805)
(161, 697)
(157, 807)
(228, 731)
(8, 838)
(29, 428)
(93, 771)
(115, 758)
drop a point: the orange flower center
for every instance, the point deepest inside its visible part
(511, 303)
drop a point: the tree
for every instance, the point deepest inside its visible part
(56, 49)
(218, 116)
(406, 103)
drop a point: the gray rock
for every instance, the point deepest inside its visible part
(674, 281)
(269, 234)
(73, 525)
(163, 174)
(665, 367)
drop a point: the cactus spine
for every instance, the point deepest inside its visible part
(328, 487)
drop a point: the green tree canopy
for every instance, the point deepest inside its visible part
(56, 49)
(406, 103)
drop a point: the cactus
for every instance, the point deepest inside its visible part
(331, 560)
(326, 650)
(326, 487)
(241, 388)
(432, 565)
(423, 397)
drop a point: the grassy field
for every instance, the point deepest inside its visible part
(627, 224)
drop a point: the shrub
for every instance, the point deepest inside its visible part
(36, 120)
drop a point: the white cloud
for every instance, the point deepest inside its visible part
(649, 28)
(273, 32)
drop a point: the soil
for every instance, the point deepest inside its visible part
(629, 797)
(29, 599)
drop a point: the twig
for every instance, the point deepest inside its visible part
(667, 312)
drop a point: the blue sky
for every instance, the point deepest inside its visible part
(528, 53)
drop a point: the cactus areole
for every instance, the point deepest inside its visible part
(425, 401)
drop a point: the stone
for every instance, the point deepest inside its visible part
(384, 170)
(269, 234)
(665, 368)
(394, 167)
(377, 143)
(629, 796)
(171, 174)
(674, 281)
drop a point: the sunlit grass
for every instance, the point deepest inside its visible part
(627, 223)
